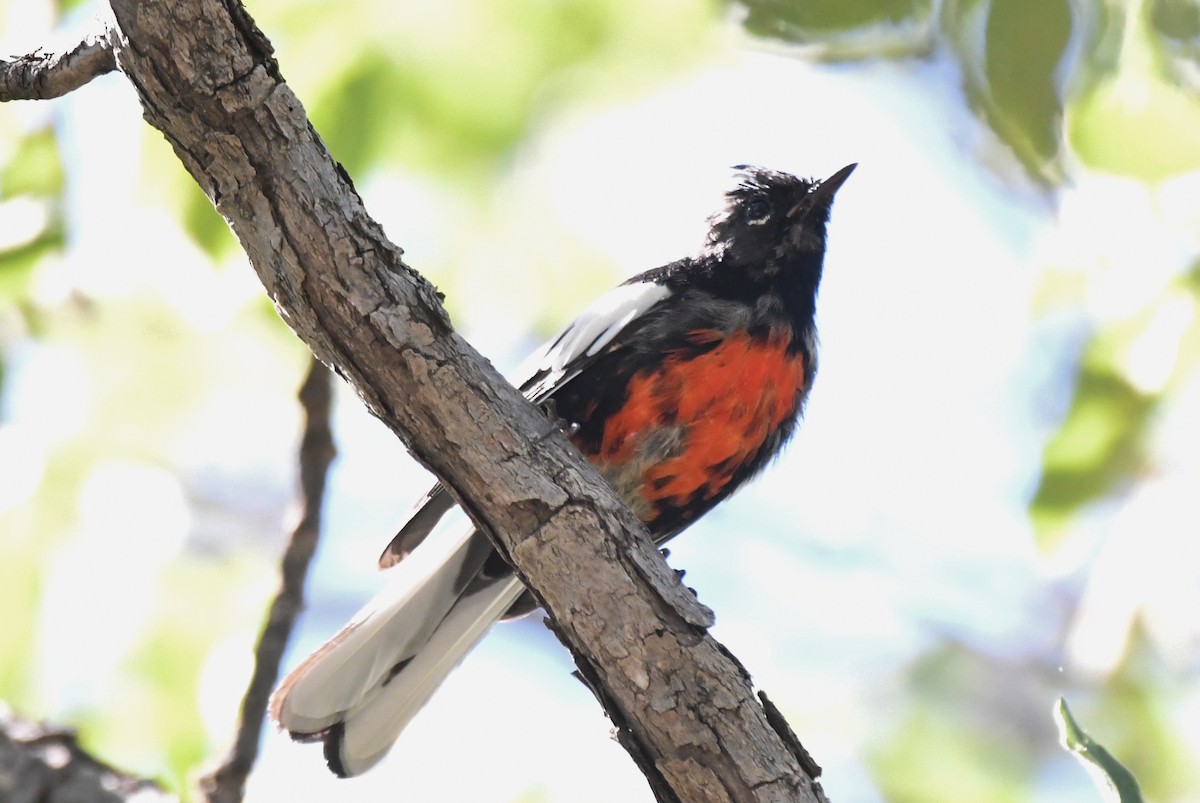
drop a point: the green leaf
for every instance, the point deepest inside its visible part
(1178, 20)
(1114, 781)
(1135, 118)
(17, 264)
(791, 19)
(20, 587)
(1015, 80)
(1175, 29)
(934, 756)
(847, 30)
(1026, 40)
(394, 107)
(35, 169)
(949, 741)
(204, 224)
(164, 182)
(1100, 443)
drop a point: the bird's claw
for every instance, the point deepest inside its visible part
(550, 408)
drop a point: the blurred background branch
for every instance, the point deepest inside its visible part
(42, 764)
(226, 783)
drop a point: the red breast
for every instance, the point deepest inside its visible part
(689, 424)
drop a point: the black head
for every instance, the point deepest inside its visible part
(772, 220)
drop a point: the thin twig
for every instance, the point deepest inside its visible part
(226, 784)
(40, 75)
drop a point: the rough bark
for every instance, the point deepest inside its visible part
(207, 80)
(39, 76)
(39, 764)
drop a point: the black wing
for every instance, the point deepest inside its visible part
(587, 338)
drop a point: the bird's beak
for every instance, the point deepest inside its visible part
(822, 194)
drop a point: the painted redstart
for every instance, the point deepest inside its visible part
(679, 385)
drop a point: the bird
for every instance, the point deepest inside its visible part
(679, 385)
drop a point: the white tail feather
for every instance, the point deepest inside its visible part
(362, 687)
(369, 731)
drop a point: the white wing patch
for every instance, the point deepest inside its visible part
(602, 321)
(586, 336)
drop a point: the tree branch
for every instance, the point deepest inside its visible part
(227, 783)
(40, 76)
(206, 79)
(47, 764)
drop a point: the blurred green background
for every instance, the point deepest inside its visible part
(991, 503)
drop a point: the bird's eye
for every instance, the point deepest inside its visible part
(758, 210)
